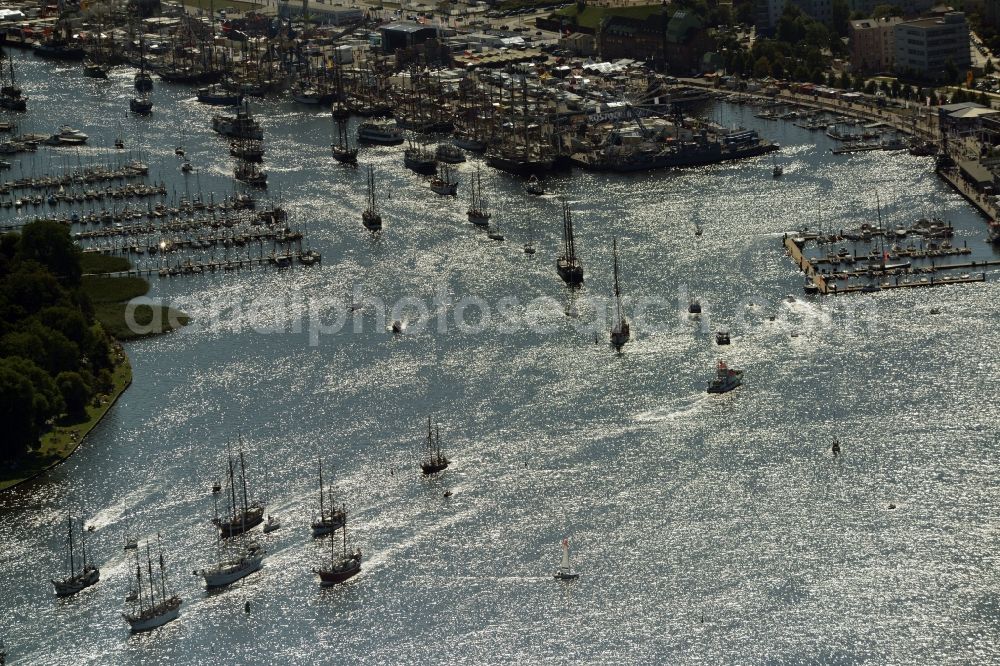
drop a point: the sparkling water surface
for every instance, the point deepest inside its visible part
(707, 529)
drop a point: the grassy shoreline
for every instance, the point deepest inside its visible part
(62, 441)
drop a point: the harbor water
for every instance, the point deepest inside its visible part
(706, 529)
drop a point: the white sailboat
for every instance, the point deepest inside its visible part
(150, 612)
(87, 575)
(229, 571)
(565, 572)
(330, 519)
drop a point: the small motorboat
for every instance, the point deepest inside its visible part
(397, 327)
(179, 151)
(722, 338)
(534, 186)
(272, 524)
(186, 167)
(694, 306)
(529, 248)
(216, 487)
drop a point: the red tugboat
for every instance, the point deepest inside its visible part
(726, 379)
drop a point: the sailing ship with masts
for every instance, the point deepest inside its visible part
(477, 212)
(568, 264)
(11, 95)
(434, 461)
(445, 183)
(620, 330)
(244, 514)
(343, 564)
(371, 217)
(249, 558)
(342, 151)
(77, 580)
(331, 517)
(152, 610)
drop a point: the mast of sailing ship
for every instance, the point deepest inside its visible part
(618, 293)
(163, 570)
(72, 559)
(149, 569)
(569, 244)
(243, 481)
(232, 486)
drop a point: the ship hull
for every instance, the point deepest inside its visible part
(159, 615)
(250, 520)
(70, 586)
(350, 568)
(222, 578)
(571, 274)
(681, 159)
(519, 167)
(479, 219)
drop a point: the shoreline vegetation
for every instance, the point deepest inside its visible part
(62, 364)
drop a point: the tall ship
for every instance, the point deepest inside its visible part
(434, 461)
(371, 217)
(477, 212)
(11, 96)
(241, 126)
(620, 332)
(417, 158)
(568, 265)
(342, 150)
(153, 606)
(331, 518)
(79, 578)
(244, 514)
(445, 183)
(247, 560)
(343, 563)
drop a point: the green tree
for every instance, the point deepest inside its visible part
(75, 393)
(48, 399)
(841, 17)
(871, 88)
(17, 412)
(762, 67)
(845, 81)
(988, 68)
(886, 11)
(49, 244)
(950, 71)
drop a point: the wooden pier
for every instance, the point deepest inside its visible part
(925, 277)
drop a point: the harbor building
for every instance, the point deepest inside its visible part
(926, 46)
(402, 35)
(675, 43)
(873, 49)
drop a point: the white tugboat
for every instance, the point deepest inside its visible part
(565, 572)
(151, 612)
(726, 379)
(87, 575)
